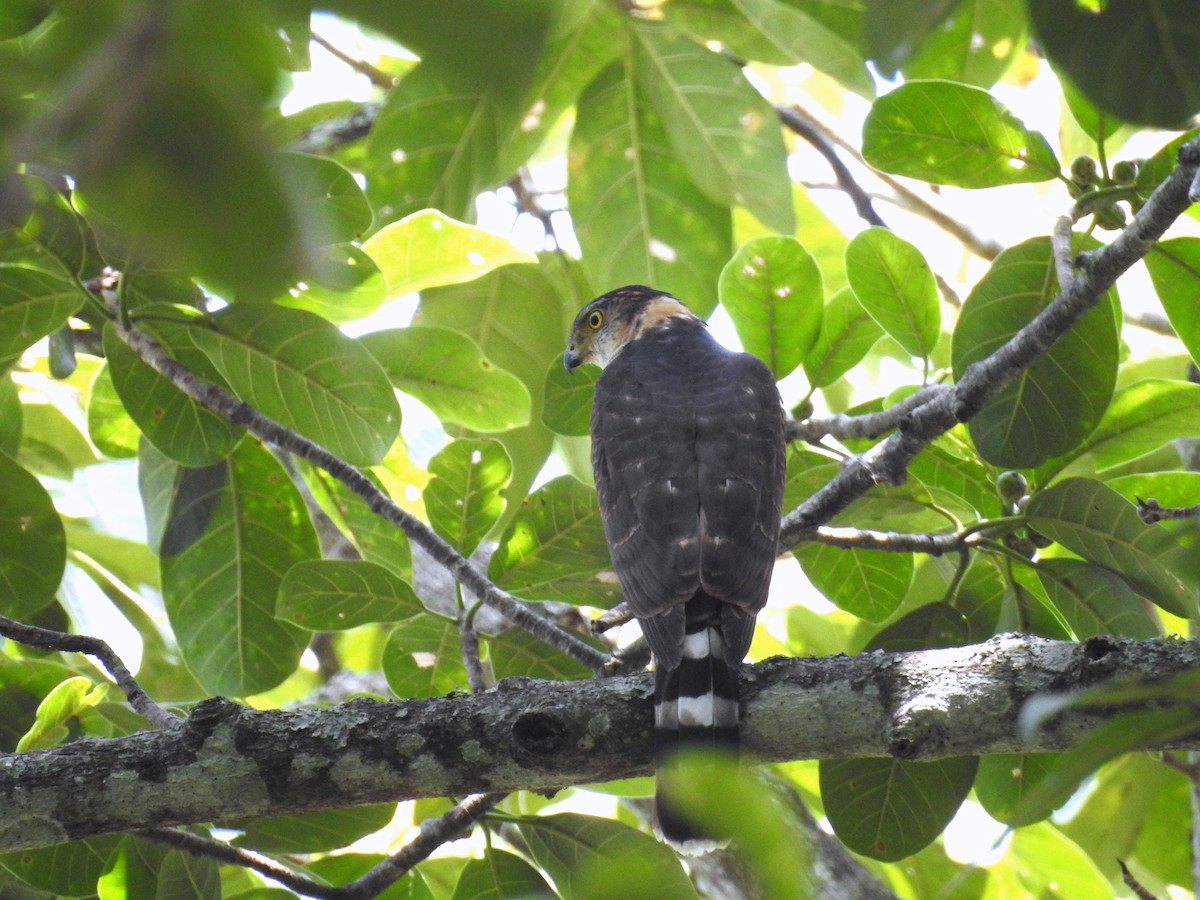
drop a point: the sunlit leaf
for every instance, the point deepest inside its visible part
(428, 248)
(950, 133)
(464, 498)
(65, 702)
(1174, 266)
(335, 594)
(892, 281)
(847, 333)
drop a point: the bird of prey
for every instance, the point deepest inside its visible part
(688, 452)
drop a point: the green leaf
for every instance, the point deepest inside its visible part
(464, 497)
(11, 416)
(1121, 734)
(232, 532)
(501, 876)
(377, 539)
(301, 371)
(1005, 778)
(1094, 521)
(1151, 37)
(949, 133)
(62, 704)
(1140, 419)
(327, 195)
(51, 442)
(33, 549)
(342, 284)
(1054, 404)
(725, 133)
(33, 303)
(1174, 266)
(892, 281)
(1094, 600)
(638, 217)
(925, 628)
(50, 234)
(888, 809)
(554, 549)
(336, 594)
(342, 868)
(314, 832)
(110, 427)
(1048, 864)
(567, 404)
(429, 248)
(422, 658)
(448, 372)
(772, 290)
(775, 32)
(516, 652)
(847, 333)
(591, 858)
(976, 44)
(434, 143)
(144, 869)
(65, 870)
(21, 16)
(871, 584)
(172, 421)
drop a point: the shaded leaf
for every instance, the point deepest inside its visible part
(871, 584)
(501, 876)
(33, 303)
(448, 372)
(567, 407)
(1174, 266)
(65, 870)
(327, 196)
(516, 652)
(847, 333)
(1004, 778)
(422, 658)
(33, 549)
(1094, 600)
(314, 832)
(949, 133)
(336, 594)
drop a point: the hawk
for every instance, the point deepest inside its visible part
(688, 452)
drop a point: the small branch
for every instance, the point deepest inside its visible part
(866, 425)
(890, 541)
(47, 639)
(1152, 511)
(1064, 254)
(378, 77)
(611, 618)
(269, 431)
(199, 845)
(468, 642)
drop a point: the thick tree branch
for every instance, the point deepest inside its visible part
(1097, 271)
(231, 762)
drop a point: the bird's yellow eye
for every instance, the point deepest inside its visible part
(596, 319)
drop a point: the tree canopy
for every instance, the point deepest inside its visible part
(302, 574)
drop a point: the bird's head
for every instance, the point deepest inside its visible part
(611, 321)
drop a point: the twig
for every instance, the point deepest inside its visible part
(48, 639)
(434, 833)
(890, 541)
(866, 425)
(378, 77)
(334, 543)
(468, 642)
(1133, 884)
(888, 461)
(272, 432)
(1152, 511)
(1064, 255)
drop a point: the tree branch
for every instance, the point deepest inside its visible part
(230, 762)
(1097, 271)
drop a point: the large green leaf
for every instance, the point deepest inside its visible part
(327, 195)
(434, 143)
(888, 809)
(335, 594)
(377, 539)
(464, 498)
(775, 32)
(65, 870)
(639, 218)
(501, 876)
(1095, 600)
(1174, 266)
(300, 370)
(1151, 37)
(950, 133)
(894, 283)
(1054, 404)
(110, 426)
(976, 43)
(1091, 519)
(11, 416)
(448, 372)
(175, 423)
(144, 869)
(554, 549)
(343, 284)
(1004, 778)
(592, 859)
(725, 133)
(314, 832)
(516, 652)
(422, 657)
(772, 290)
(49, 235)
(1140, 419)
(567, 408)
(429, 248)
(871, 584)
(847, 333)
(232, 531)
(33, 303)
(33, 547)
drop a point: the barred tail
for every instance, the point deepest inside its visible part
(695, 706)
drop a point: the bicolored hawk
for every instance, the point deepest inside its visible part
(688, 452)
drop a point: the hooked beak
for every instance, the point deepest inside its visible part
(572, 359)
